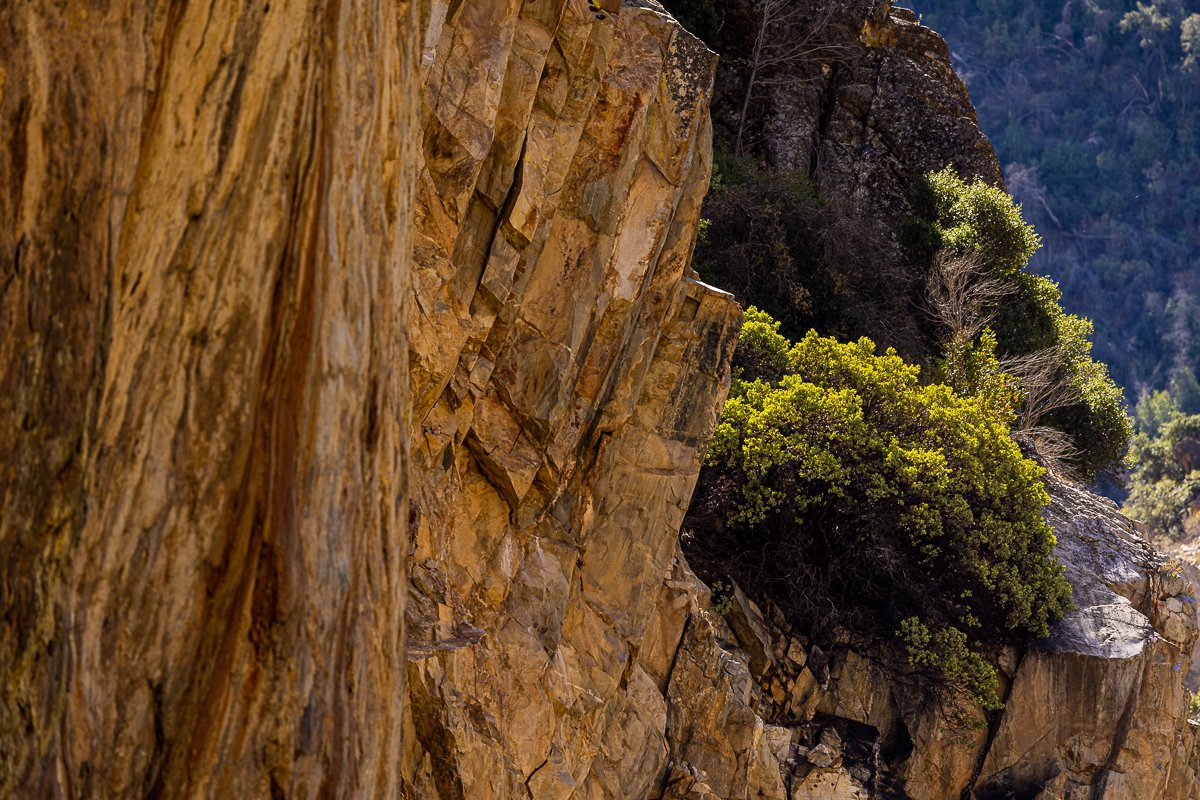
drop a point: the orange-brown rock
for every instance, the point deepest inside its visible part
(566, 372)
(567, 369)
(203, 279)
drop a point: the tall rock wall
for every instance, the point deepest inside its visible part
(567, 370)
(203, 281)
(297, 295)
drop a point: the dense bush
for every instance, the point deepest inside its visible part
(979, 222)
(852, 495)
(971, 216)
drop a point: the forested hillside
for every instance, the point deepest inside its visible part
(1094, 110)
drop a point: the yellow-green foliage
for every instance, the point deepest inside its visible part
(972, 368)
(975, 220)
(908, 498)
(948, 651)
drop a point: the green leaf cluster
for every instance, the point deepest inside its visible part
(948, 651)
(975, 220)
(972, 216)
(972, 368)
(849, 484)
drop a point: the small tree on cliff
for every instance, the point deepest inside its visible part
(972, 239)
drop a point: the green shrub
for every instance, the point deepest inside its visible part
(973, 216)
(971, 219)
(1096, 421)
(1153, 411)
(947, 651)
(1164, 505)
(972, 368)
(852, 495)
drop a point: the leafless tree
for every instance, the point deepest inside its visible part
(964, 297)
(790, 36)
(1024, 183)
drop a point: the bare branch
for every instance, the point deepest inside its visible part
(962, 295)
(964, 298)
(1053, 448)
(1046, 386)
(790, 40)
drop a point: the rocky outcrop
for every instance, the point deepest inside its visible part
(203, 281)
(887, 110)
(229, 426)
(567, 370)
(1098, 710)
(859, 100)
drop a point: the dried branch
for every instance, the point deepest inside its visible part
(964, 298)
(962, 295)
(786, 42)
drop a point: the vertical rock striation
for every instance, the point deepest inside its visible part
(203, 282)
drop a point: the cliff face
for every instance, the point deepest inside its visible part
(203, 282)
(566, 371)
(298, 294)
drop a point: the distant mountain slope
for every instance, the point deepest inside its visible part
(1094, 110)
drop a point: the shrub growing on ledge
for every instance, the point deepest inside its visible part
(852, 495)
(972, 220)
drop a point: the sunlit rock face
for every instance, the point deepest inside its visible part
(1096, 710)
(295, 297)
(1099, 709)
(566, 370)
(203, 283)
